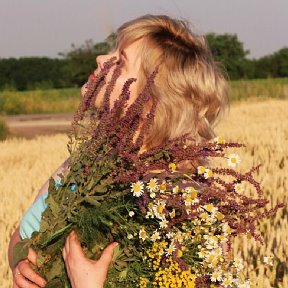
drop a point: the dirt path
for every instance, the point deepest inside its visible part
(29, 126)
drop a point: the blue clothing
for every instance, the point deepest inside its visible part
(31, 219)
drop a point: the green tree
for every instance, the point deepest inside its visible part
(81, 61)
(32, 72)
(229, 51)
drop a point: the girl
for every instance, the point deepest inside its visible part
(191, 94)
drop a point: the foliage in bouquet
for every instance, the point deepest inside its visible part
(173, 224)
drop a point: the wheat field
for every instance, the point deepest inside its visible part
(262, 126)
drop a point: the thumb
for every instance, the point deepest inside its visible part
(74, 244)
(32, 256)
(107, 254)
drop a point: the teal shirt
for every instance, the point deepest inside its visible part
(31, 219)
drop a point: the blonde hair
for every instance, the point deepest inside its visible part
(190, 88)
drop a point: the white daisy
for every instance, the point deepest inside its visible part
(170, 249)
(131, 213)
(163, 223)
(219, 140)
(238, 263)
(201, 169)
(152, 185)
(143, 234)
(233, 159)
(129, 236)
(175, 189)
(155, 236)
(227, 281)
(172, 167)
(170, 235)
(268, 260)
(137, 188)
(158, 209)
(216, 276)
(208, 173)
(238, 187)
(152, 195)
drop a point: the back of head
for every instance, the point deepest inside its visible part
(190, 88)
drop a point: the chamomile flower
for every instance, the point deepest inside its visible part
(238, 187)
(152, 185)
(202, 253)
(208, 173)
(172, 167)
(175, 189)
(162, 187)
(170, 249)
(158, 209)
(155, 236)
(163, 223)
(219, 216)
(227, 281)
(210, 208)
(131, 213)
(268, 260)
(149, 214)
(201, 169)
(129, 236)
(152, 195)
(238, 264)
(172, 214)
(137, 188)
(219, 140)
(143, 234)
(246, 284)
(226, 228)
(170, 235)
(216, 276)
(233, 159)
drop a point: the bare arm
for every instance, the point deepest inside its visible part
(15, 238)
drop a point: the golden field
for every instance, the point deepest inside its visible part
(262, 126)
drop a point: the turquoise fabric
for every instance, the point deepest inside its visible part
(31, 219)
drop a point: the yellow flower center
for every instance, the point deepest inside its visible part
(137, 187)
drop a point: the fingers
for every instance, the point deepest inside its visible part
(22, 282)
(72, 250)
(107, 254)
(74, 246)
(32, 256)
(25, 273)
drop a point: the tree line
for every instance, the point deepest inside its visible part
(72, 68)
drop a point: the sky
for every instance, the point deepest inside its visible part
(48, 27)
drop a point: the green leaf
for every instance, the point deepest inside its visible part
(56, 271)
(117, 252)
(90, 185)
(54, 206)
(100, 189)
(123, 275)
(20, 252)
(92, 200)
(55, 283)
(44, 226)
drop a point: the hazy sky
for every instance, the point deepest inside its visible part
(47, 27)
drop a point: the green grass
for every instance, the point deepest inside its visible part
(39, 101)
(260, 89)
(67, 100)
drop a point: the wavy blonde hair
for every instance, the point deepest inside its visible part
(190, 88)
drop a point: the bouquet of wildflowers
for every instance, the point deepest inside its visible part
(175, 227)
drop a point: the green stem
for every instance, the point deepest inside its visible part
(57, 233)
